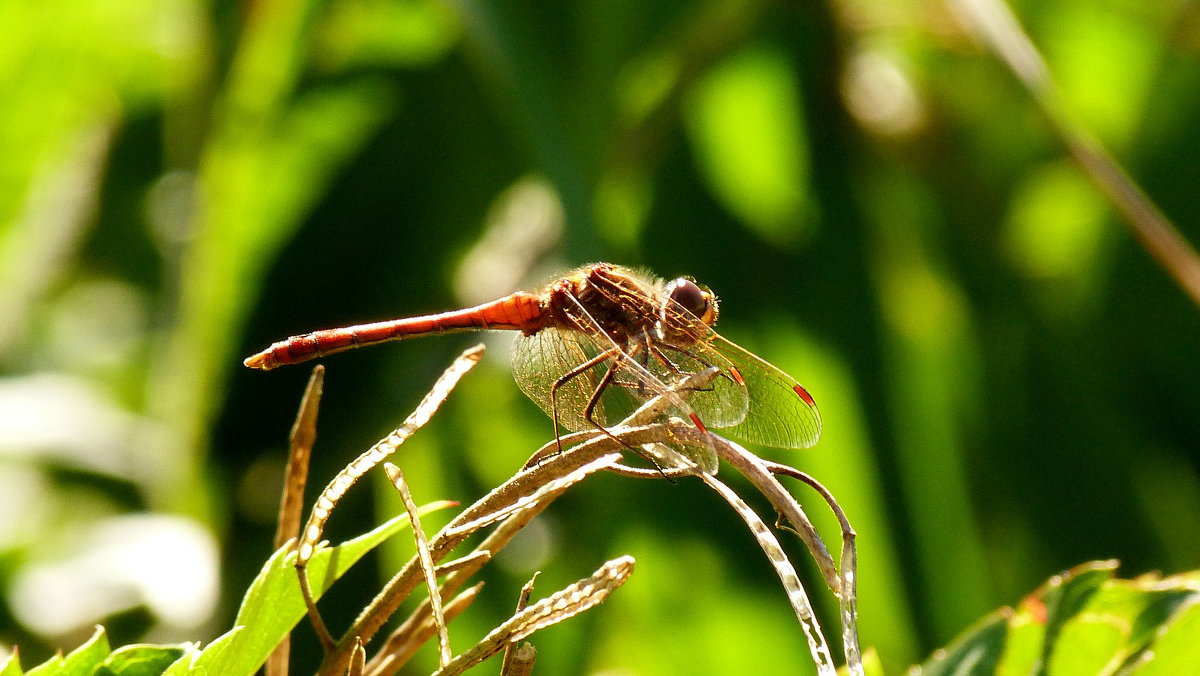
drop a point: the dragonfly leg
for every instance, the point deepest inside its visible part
(571, 375)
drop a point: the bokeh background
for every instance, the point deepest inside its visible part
(1008, 381)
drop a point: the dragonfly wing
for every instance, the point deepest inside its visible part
(723, 402)
(781, 413)
(546, 357)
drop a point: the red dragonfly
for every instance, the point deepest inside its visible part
(599, 342)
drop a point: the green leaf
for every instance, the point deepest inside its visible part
(12, 666)
(1066, 594)
(976, 651)
(1176, 647)
(1084, 622)
(80, 662)
(273, 604)
(140, 660)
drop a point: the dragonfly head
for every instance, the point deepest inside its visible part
(698, 302)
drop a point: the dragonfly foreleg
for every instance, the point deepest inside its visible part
(575, 373)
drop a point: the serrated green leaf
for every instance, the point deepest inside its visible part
(976, 651)
(186, 664)
(273, 604)
(1089, 644)
(1066, 594)
(80, 662)
(1176, 649)
(140, 660)
(1026, 634)
(12, 666)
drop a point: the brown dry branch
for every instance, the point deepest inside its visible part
(555, 608)
(341, 483)
(435, 598)
(552, 471)
(510, 650)
(291, 503)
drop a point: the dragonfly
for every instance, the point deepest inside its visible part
(599, 342)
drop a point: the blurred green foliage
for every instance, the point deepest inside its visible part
(1008, 381)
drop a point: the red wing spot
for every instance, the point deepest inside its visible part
(804, 394)
(696, 419)
(737, 376)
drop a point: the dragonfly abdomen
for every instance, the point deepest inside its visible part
(519, 312)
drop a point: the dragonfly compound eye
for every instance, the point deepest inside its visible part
(685, 294)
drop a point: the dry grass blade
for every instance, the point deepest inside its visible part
(435, 598)
(848, 567)
(382, 449)
(291, 503)
(569, 602)
(1000, 30)
(818, 647)
(358, 661)
(522, 603)
(519, 661)
(552, 487)
(404, 642)
(359, 466)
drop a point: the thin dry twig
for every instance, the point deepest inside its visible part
(348, 476)
(999, 29)
(358, 661)
(566, 603)
(435, 598)
(291, 504)
(521, 662)
(404, 642)
(507, 664)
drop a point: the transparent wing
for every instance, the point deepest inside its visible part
(722, 403)
(544, 358)
(777, 411)
(781, 413)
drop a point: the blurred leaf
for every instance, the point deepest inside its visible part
(80, 661)
(1097, 625)
(744, 121)
(384, 32)
(140, 660)
(273, 604)
(1176, 648)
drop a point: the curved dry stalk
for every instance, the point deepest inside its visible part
(311, 535)
(848, 566)
(382, 449)
(817, 646)
(555, 608)
(418, 628)
(435, 597)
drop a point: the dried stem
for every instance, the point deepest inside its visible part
(435, 597)
(817, 646)
(569, 602)
(291, 503)
(373, 456)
